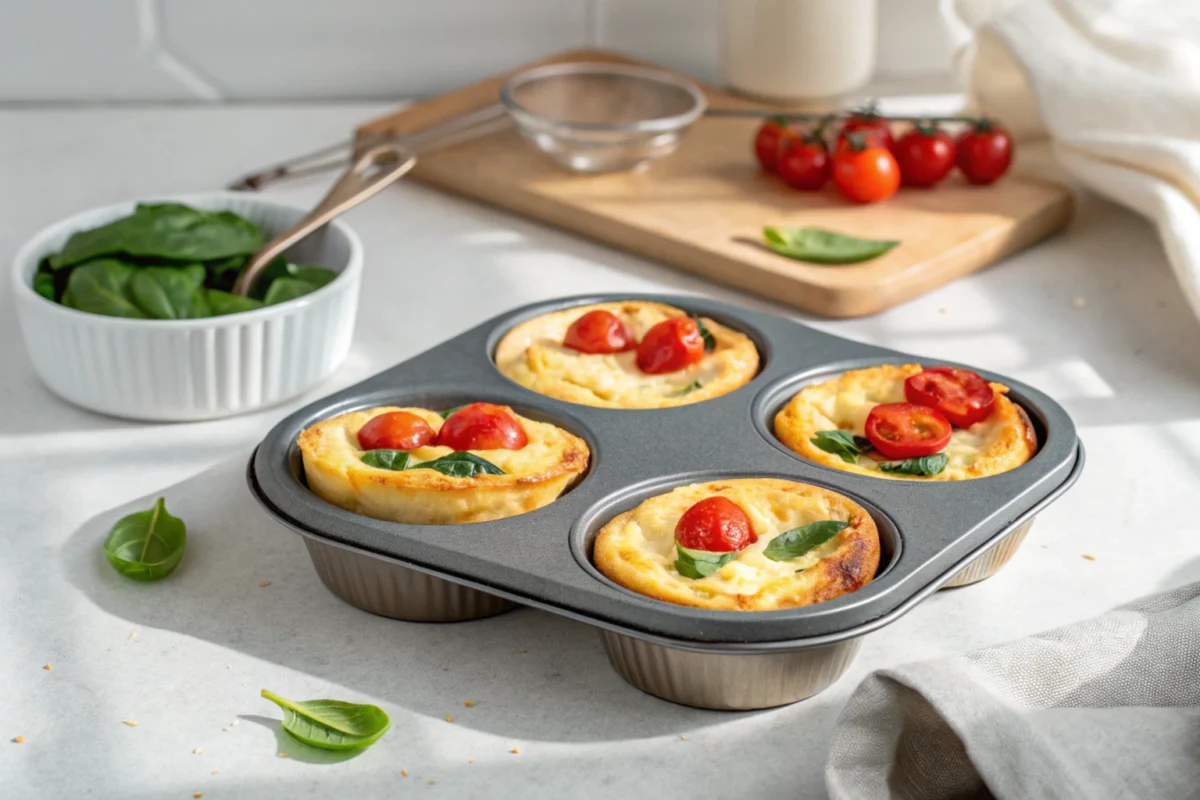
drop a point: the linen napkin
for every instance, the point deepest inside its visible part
(1114, 84)
(1104, 708)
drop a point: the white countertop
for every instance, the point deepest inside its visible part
(1126, 365)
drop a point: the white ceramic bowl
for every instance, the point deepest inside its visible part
(200, 368)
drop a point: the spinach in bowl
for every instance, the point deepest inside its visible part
(169, 261)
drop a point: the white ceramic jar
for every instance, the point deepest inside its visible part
(794, 50)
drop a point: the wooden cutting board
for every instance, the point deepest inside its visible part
(702, 209)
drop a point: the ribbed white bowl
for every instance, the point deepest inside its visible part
(201, 368)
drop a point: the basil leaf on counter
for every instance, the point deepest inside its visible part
(841, 443)
(925, 465)
(689, 389)
(221, 303)
(449, 411)
(146, 545)
(387, 459)
(798, 541)
(710, 341)
(170, 292)
(824, 247)
(102, 287)
(331, 724)
(460, 465)
(697, 564)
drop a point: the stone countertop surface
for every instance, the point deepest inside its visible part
(1092, 316)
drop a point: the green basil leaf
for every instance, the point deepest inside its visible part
(102, 287)
(171, 292)
(222, 303)
(446, 414)
(165, 231)
(282, 290)
(43, 284)
(146, 545)
(798, 541)
(387, 459)
(698, 564)
(460, 465)
(925, 465)
(841, 443)
(332, 724)
(710, 341)
(824, 247)
(689, 389)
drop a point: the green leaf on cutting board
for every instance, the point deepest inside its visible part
(146, 545)
(820, 246)
(798, 541)
(332, 724)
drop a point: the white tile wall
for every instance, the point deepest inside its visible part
(99, 50)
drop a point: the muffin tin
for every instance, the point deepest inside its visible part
(933, 534)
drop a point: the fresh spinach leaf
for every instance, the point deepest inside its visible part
(461, 465)
(841, 443)
(689, 389)
(171, 292)
(317, 276)
(146, 545)
(102, 287)
(331, 724)
(925, 465)
(43, 284)
(798, 541)
(698, 564)
(221, 303)
(386, 459)
(279, 269)
(450, 411)
(824, 247)
(223, 272)
(167, 231)
(283, 289)
(710, 341)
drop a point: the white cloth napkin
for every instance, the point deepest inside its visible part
(1105, 708)
(1116, 86)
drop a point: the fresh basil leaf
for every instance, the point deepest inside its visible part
(824, 247)
(222, 303)
(387, 459)
(165, 231)
(43, 284)
(710, 341)
(449, 411)
(798, 541)
(689, 389)
(146, 545)
(170, 292)
(841, 443)
(282, 290)
(698, 564)
(102, 287)
(925, 465)
(460, 465)
(332, 724)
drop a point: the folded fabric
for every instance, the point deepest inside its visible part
(1115, 85)
(1104, 708)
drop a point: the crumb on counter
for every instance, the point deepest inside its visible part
(516, 751)
(431, 781)
(198, 794)
(129, 722)
(468, 703)
(403, 773)
(470, 761)
(214, 772)
(19, 739)
(682, 738)
(198, 750)
(132, 635)
(1079, 302)
(264, 583)
(283, 755)
(48, 667)
(1089, 557)
(233, 724)
(449, 718)
(522, 651)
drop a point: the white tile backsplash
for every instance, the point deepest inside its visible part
(99, 50)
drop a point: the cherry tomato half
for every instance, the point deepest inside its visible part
(599, 331)
(803, 163)
(925, 156)
(670, 346)
(716, 525)
(876, 129)
(984, 152)
(482, 426)
(907, 430)
(395, 430)
(867, 175)
(766, 142)
(962, 396)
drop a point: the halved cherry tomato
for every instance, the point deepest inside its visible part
(803, 163)
(925, 155)
(865, 173)
(482, 426)
(395, 430)
(907, 430)
(962, 396)
(984, 152)
(766, 142)
(599, 331)
(876, 129)
(670, 346)
(715, 524)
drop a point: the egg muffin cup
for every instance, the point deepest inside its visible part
(931, 534)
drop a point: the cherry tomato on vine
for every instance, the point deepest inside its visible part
(670, 346)
(875, 128)
(395, 430)
(865, 173)
(482, 426)
(803, 162)
(716, 525)
(599, 331)
(925, 155)
(963, 396)
(907, 430)
(766, 142)
(984, 152)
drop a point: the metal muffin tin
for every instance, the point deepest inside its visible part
(933, 534)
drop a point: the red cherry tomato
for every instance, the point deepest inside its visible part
(482, 426)
(984, 152)
(766, 142)
(395, 430)
(876, 129)
(907, 430)
(599, 331)
(865, 175)
(962, 396)
(716, 525)
(670, 346)
(803, 163)
(925, 156)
